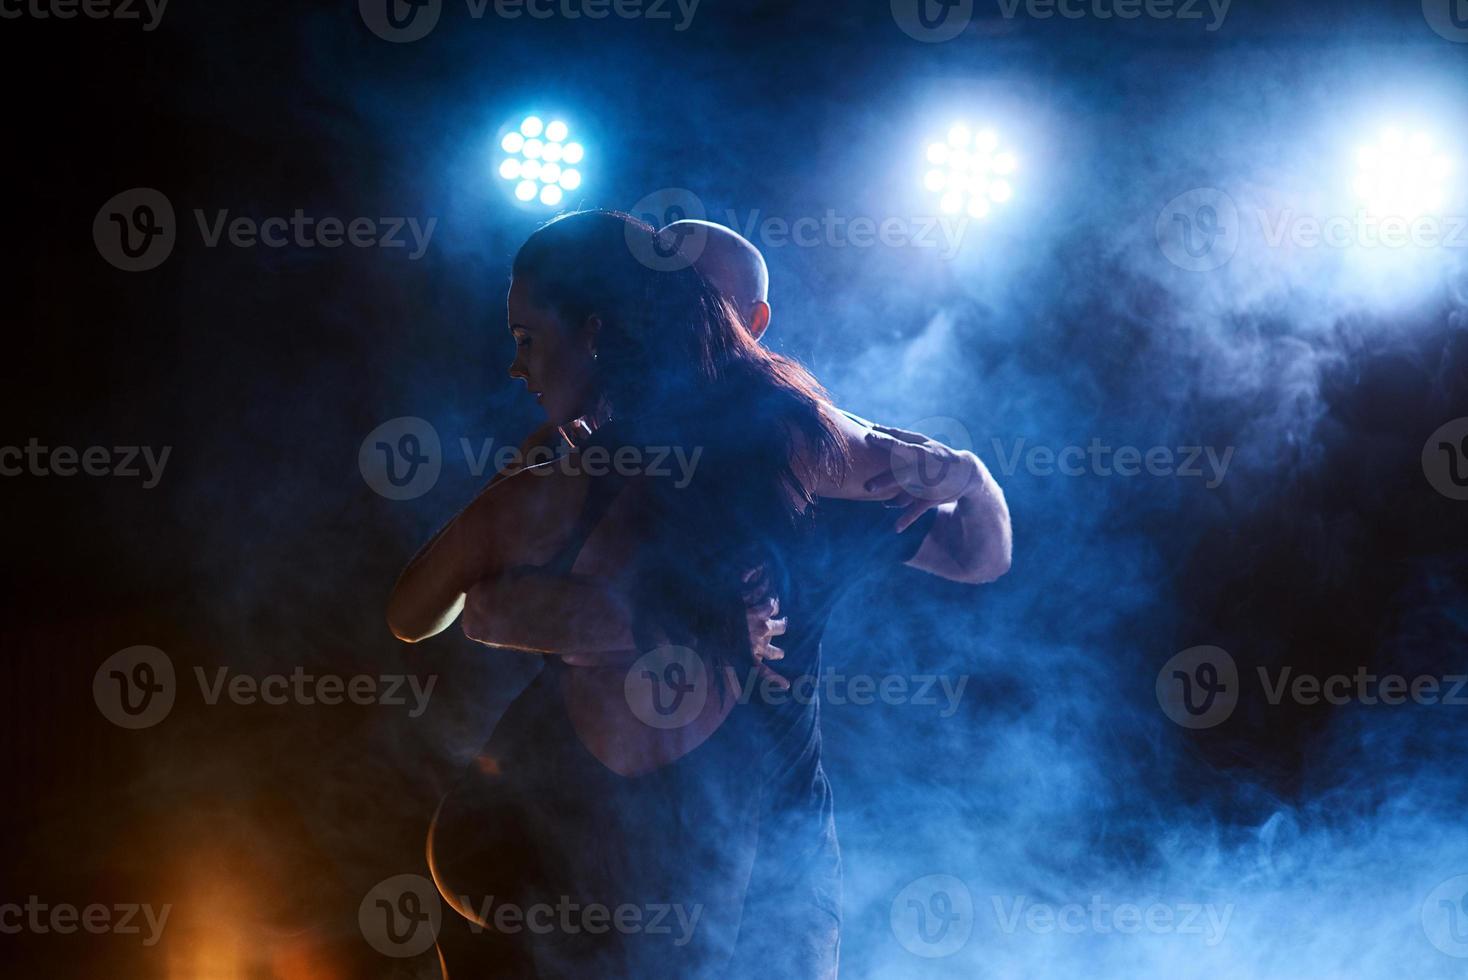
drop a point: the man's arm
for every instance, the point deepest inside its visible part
(971, 540)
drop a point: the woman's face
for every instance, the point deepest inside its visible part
(552, 357)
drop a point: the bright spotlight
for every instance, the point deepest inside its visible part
(1402, 175)
(966, 168)
(537, 161)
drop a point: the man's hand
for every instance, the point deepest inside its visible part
(924, 472)
(760, 613)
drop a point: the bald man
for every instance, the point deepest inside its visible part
(956, 527)
(970, 540)
(732, 265)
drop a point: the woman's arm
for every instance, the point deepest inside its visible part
(517, 520)
(584, 619)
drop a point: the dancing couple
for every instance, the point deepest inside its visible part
(653, 804)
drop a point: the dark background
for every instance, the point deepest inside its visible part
(1058, 778)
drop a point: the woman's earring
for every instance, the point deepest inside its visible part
(595, 355)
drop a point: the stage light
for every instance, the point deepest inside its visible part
(538, 161)
(1401, 175)
(966, 169)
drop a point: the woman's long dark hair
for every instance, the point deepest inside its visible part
(678, 369)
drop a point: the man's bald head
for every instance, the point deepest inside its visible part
(732, 265)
